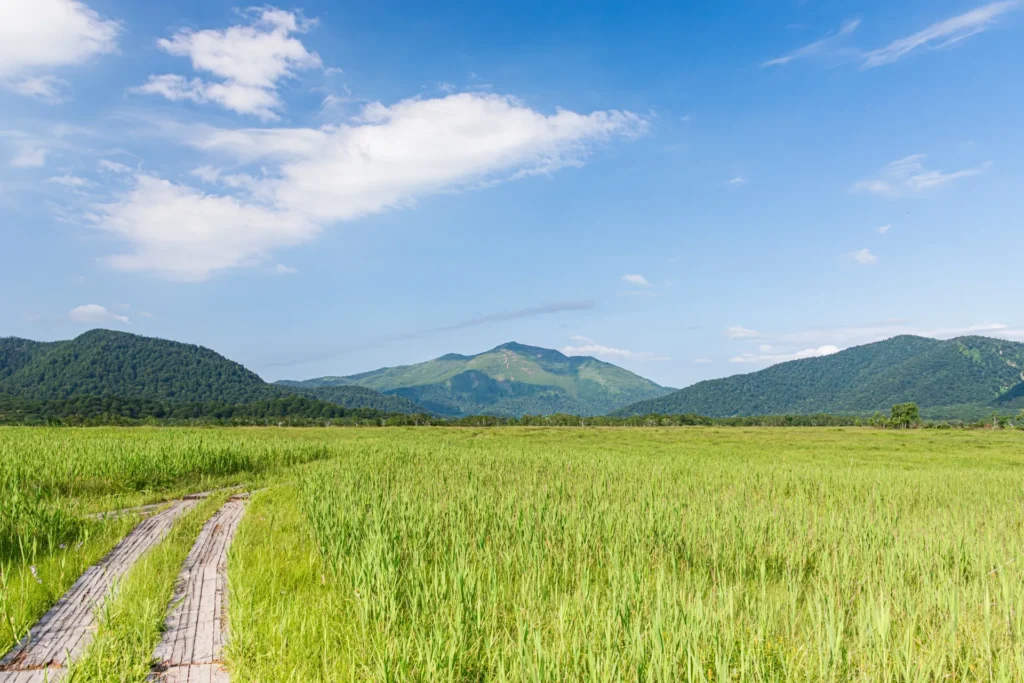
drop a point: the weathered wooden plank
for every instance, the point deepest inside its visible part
(192, 648)
(61, 635)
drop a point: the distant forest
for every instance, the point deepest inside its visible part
(302, 411)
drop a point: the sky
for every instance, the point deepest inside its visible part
(689, 190)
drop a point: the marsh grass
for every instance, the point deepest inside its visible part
(50, 478)
(31, 583)
(671, 555)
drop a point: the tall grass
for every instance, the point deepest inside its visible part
(692, 555)
(49, 479)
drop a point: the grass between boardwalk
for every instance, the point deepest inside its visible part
(131, 624)
(50, 479)
(667, 555)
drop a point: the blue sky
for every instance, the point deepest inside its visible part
(688, 190)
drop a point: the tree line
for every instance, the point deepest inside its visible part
(301, 411)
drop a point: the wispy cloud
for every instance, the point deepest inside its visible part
(817, 47)
(772, 358)
(941, 34)
(476, 321)
(636, 279)
(113, 167)
(69, 181)
(94, 314)
(739, 332)
(864, 257)
(589, 347)
(852, 335)
(281, 269)
(738, 180)
(884, 229)
(910, 175)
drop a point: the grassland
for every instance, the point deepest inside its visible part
(704, 554)
(52, 480)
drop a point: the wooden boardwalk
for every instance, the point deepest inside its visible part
(192, 647)
(62, 634)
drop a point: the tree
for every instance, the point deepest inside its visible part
(905, 415)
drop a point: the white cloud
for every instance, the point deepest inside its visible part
(28, 155)
(94, 314)
(312, 178)
(49, 89)
(250, 61)
(738, 180)
(941, 34)
(909, 175)
(40, 35)
(636, 279)
(281, 269)
(768, 358)
(884, 229)
(864, 257)
(113, 166)
(183, 234)
(69, 181)
(818, 46)
(589, 347)
(853, 335)
(739, 332)
(207, 173)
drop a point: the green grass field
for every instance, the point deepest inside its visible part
(517, 554)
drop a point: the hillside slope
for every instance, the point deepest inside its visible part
(967, 373)
(129, 366)
(353, 396)
(509, 380)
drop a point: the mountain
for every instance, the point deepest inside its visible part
(129, 366)
(509, 380)
(952, 378)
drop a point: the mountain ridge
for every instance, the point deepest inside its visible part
(965, 374)
(511, 379)
(113, 363)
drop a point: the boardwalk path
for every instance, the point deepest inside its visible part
(63, 633)
(192, 647)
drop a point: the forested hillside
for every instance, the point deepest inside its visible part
(968, 374)
(133, 368)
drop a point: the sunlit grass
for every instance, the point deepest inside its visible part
(50, 479)
(668, 555)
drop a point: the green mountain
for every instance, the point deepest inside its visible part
(510, 380)
(128, 366)
(964, 377)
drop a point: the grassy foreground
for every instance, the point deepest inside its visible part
(520, 554)
(667, 555)
(51, 479)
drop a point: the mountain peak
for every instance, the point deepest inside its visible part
(510, 379)
(526, 349)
